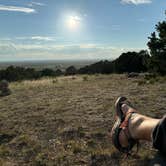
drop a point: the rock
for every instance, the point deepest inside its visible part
(4, 88)
(132, 75)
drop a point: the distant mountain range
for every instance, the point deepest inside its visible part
(40, 64)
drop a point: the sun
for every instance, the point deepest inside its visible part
(73, 22)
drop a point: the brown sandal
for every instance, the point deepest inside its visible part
(122, 121)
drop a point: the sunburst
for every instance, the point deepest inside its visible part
(73, 22)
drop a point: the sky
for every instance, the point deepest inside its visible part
(76, 29)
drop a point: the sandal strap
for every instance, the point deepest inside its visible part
(125, 124)
(122, 124)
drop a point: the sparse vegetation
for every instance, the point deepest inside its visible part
(66, 123)
(85, 78)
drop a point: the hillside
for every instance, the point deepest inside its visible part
(64, 121)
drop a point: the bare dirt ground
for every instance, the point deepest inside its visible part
(64, 121)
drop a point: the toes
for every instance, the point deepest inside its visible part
(124, 108)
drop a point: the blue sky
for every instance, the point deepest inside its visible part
(75, 29)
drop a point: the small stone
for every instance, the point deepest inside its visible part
(4, 88)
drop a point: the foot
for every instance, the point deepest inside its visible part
(126, 108)
(121, 136)
(118, 109)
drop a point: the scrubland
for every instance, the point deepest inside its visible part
(64, 121)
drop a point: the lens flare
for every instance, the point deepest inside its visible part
(73, 22)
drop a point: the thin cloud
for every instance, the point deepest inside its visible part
(61, 51)
(75, 18)
(38, 38)
(42, 38)
(17, 9)
(36, 4)
(136, 2)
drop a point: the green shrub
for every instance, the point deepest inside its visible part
(85, 78)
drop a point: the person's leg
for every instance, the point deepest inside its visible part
(140, 126)
(130, 127)
(145, 128)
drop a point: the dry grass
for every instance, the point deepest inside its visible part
(65, 120)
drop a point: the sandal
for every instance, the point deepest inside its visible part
(122, 121)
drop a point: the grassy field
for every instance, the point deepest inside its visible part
(64, 121)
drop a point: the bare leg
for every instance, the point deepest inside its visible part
(140, 126)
